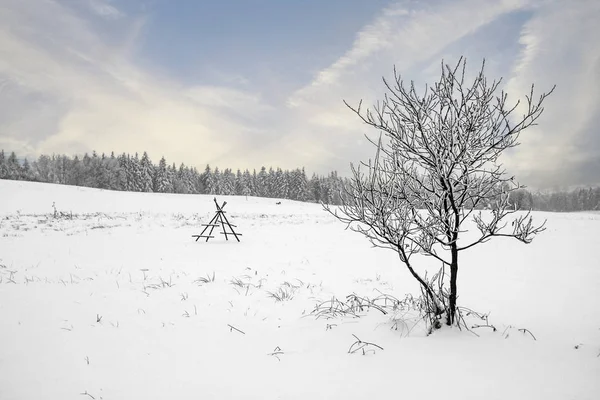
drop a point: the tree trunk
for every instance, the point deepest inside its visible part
(451, 314)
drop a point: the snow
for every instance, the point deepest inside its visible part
(107, 305)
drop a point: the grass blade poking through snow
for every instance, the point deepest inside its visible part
(360, 345)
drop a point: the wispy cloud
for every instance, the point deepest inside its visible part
(75, 92)
(561, 149)
(71, 81)
(411, 36)
(414, 37)
(105, 9)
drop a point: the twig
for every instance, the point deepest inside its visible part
(484, 326)
(360, 345)
(276, 353)
(87, 394)
(231, 328)
(528, 331)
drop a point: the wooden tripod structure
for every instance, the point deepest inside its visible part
(218, 220)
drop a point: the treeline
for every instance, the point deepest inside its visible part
(581, 199)
(138, 174)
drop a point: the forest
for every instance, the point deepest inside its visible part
(133, 173)
(127, 172)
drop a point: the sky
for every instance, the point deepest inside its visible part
(247, 83)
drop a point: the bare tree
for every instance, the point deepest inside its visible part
(436, 167)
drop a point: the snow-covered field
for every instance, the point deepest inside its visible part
(109, 305)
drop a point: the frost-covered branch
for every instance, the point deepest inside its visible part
(436, 162)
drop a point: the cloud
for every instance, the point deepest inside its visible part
(415, 37)
(105, 9)
(561, 149)
(71, 81)
(411, 36)
(68, 90)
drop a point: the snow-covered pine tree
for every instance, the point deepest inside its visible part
(13, 167)
(247, 183)
(73, 167)
(270, 183)
(208, 179)
(196, 180)
(335, 187)
(87, 169)
(60, 168)
(44, 169)
(254, 186)
(227, 182)
(26, 171)
(280, 185)
(112, 165)
(217, 182)
(103, 173)
(283, 185)
(261, 183)
(3, 166)
(161, 178)
(179, 185)
(239, 188)
(172, 174)
(298, 185)
(193, 180)
(122, 182)
(305, 194)
(146, 173)
(314, 186)
(136, 174)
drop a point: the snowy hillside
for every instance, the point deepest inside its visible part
(109, 297)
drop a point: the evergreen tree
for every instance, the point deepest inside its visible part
(13, 167)
(121, 182)
(181, 182)
(192, 180)
(314, 186)
(334, 185)
(196, 179)
(104, 170)
(262, 189)
(162, 183)
(44, 169)
(254, 186)
(239, 183)
(298, 185)
(208, 179)
(247, 184)
(270, 183)
(135, 171)
(228, 183)
(26, 171)
(59, 168)
(217, 178)
(3, 166)
(146, 173)
(281, 184)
